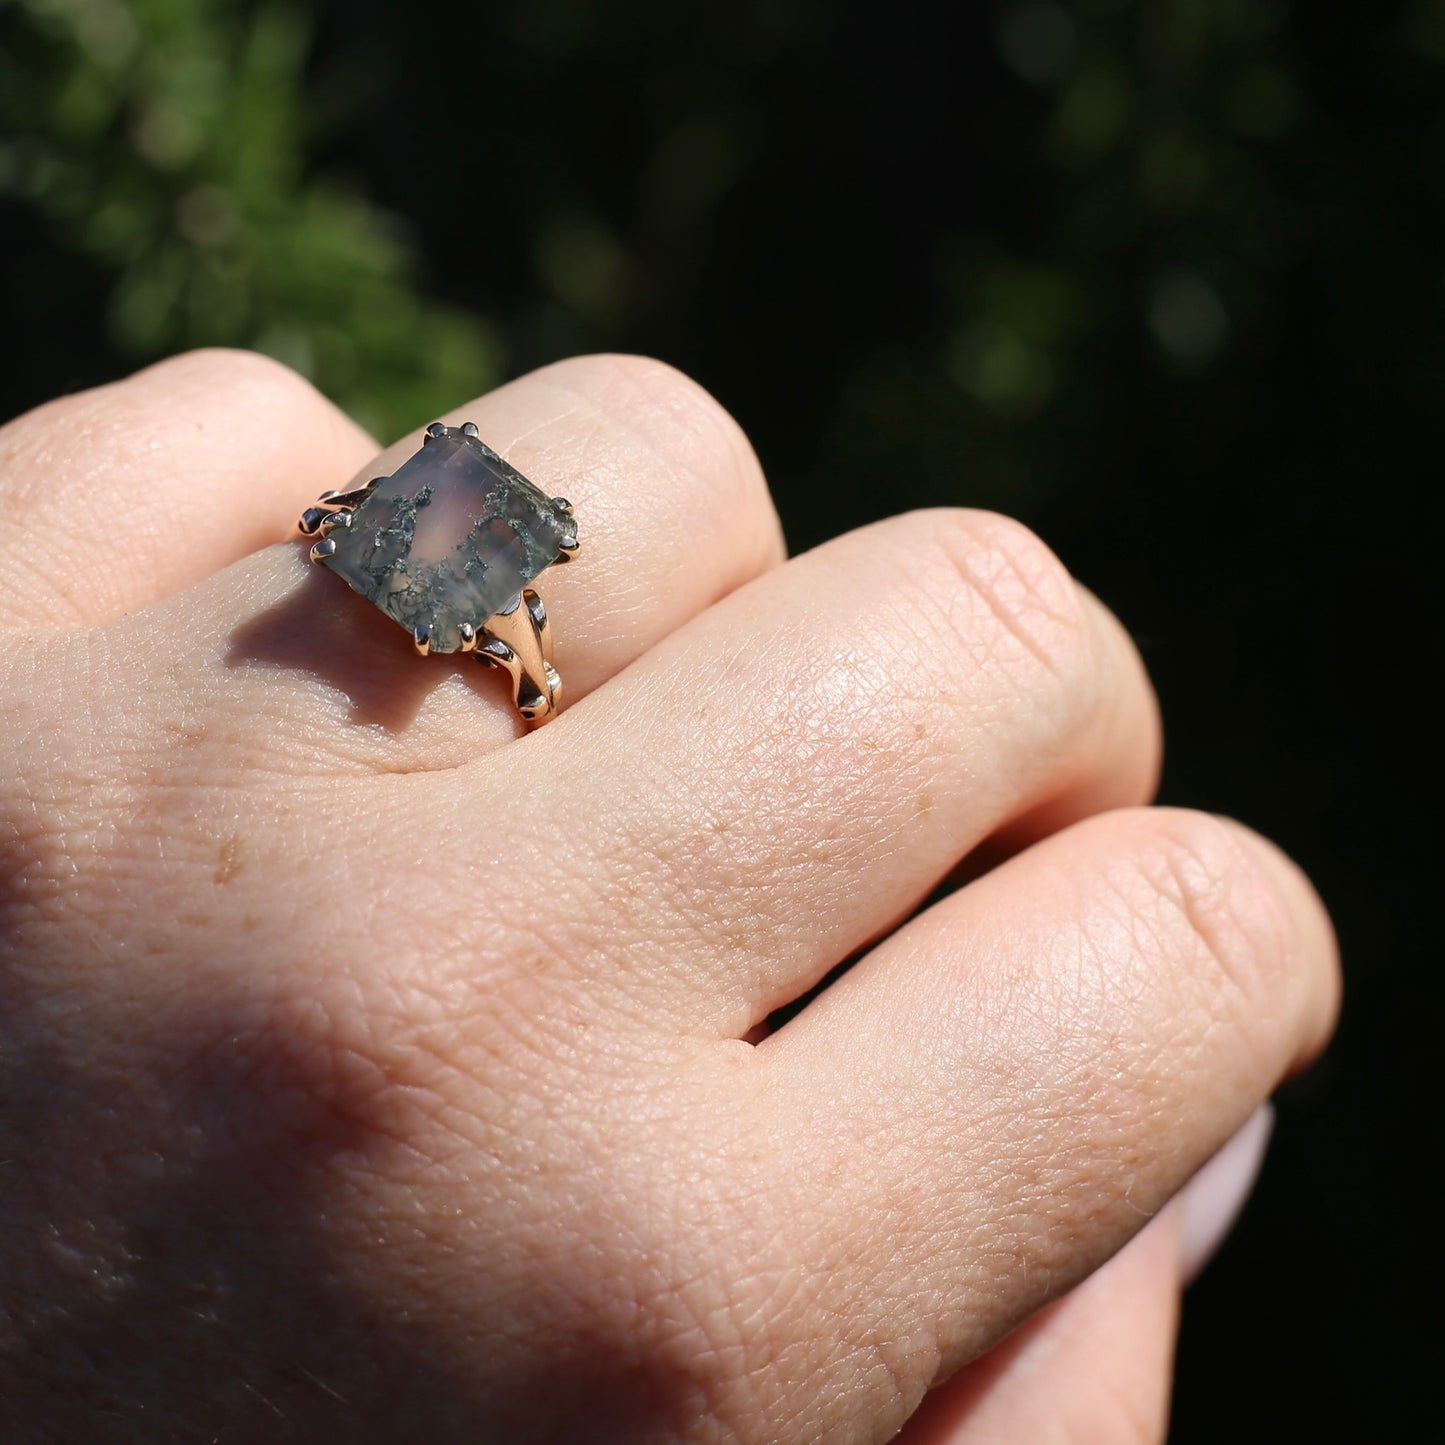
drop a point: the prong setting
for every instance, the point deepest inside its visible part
(441, 610)
(334, 509)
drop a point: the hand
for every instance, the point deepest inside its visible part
(369, 1072)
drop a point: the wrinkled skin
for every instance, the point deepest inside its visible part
(370, 1071)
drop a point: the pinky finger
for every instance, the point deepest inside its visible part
(1092, 1369)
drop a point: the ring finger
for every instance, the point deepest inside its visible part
(281, 663)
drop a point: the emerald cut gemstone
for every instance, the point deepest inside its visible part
(451, 538)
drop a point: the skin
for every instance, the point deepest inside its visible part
(371, 1071)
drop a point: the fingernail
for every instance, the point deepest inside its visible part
(1213, 1199)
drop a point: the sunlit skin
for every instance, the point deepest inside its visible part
(374, 1070)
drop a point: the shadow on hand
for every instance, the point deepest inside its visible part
(176, 1263)
(322, 628)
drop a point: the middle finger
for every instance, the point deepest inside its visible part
(788, 775)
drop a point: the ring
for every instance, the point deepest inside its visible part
(446, 546)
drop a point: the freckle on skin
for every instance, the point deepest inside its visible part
(228, 864)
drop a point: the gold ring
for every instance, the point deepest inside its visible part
(446, 546)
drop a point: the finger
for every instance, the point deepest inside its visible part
(119, 496)
(1097, 1364)
(292, 668)
(792, 772)
(1022, 1076)
(1092, 1369)
(671, 505)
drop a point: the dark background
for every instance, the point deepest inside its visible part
(1166, 280)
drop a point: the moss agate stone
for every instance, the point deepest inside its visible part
(451, 538)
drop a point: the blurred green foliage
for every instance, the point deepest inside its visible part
(175, 143)
(655, 167)
(169, 140)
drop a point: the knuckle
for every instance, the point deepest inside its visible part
(1206, 882)
(245, 379)
(1018, 606)
(109, 436)
(666, 391)
(695, 435)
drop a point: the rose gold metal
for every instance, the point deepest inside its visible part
(519, 638)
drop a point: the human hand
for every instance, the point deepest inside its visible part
(369, 1072)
